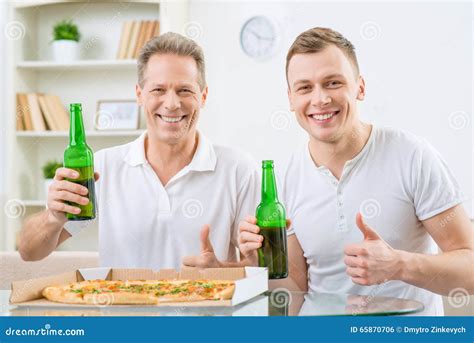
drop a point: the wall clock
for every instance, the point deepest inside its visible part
(259, 37)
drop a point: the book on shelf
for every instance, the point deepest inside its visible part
(41, 112)
(134, 36)
(23, 112)
(36, 116)
(124, 40)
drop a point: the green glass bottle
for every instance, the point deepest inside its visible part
(271, 218)
(80, 157)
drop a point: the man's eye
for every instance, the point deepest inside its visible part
(303, 88)
(185, 91)
(158, 90)
(334, 84)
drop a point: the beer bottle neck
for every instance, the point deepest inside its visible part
(269, 190)
(77, 135)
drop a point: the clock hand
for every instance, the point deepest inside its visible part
(259, 36)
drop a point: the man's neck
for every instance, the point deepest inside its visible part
(168, 159)
(333, 155)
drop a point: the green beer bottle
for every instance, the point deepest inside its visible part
(271, 219)
(80, 157)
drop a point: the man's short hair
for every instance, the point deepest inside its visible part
(317, 39)
(172, 43)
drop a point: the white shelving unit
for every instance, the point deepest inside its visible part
(97, 76)
(78, 65)
(34, 203)
(89, 134)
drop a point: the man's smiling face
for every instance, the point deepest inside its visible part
(171, 97)
(323, 91)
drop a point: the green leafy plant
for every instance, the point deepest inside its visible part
(49, 169)
(66, 29)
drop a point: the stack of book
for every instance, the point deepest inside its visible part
(40, 112)
(134, 36)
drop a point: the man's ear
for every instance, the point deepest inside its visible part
(361, 89)
(204, 97)
(288, 92)
(138, 92)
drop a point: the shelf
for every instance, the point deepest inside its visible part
(27, 4)
(53, 134)
(98, 76)
(77, 65)
(34, 203)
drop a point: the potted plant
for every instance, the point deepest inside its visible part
(49, 170)
(66, 38)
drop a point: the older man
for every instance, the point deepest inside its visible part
(157, 192)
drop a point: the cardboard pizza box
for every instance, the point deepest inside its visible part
(249, 283)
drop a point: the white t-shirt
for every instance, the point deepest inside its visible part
(396, 181)
(145, 225)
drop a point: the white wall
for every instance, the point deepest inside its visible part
(3, 17)
(416, 59)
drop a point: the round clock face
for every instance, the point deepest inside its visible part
(258, 37)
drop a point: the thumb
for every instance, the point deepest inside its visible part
(367, 231)
(96, 176)
(206, 245)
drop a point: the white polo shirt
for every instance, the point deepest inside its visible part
(145, 225)
(396, 181)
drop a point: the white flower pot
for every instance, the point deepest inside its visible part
(66, 50)
(47, 183)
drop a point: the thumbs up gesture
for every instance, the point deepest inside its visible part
(207, 258)
(371, 261)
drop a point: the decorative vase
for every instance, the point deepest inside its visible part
(65, 50)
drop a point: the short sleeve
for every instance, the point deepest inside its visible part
(434, 187)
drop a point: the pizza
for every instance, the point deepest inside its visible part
(139, 292)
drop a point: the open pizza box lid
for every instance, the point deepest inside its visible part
(249, 282)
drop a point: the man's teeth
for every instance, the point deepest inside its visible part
(323, 116)
(171, 119)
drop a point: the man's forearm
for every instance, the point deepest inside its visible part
(439, 273)
(39, 236)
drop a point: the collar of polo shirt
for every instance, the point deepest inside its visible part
(204, 158)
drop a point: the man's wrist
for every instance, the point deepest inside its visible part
(53, 220)
(403, 262)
